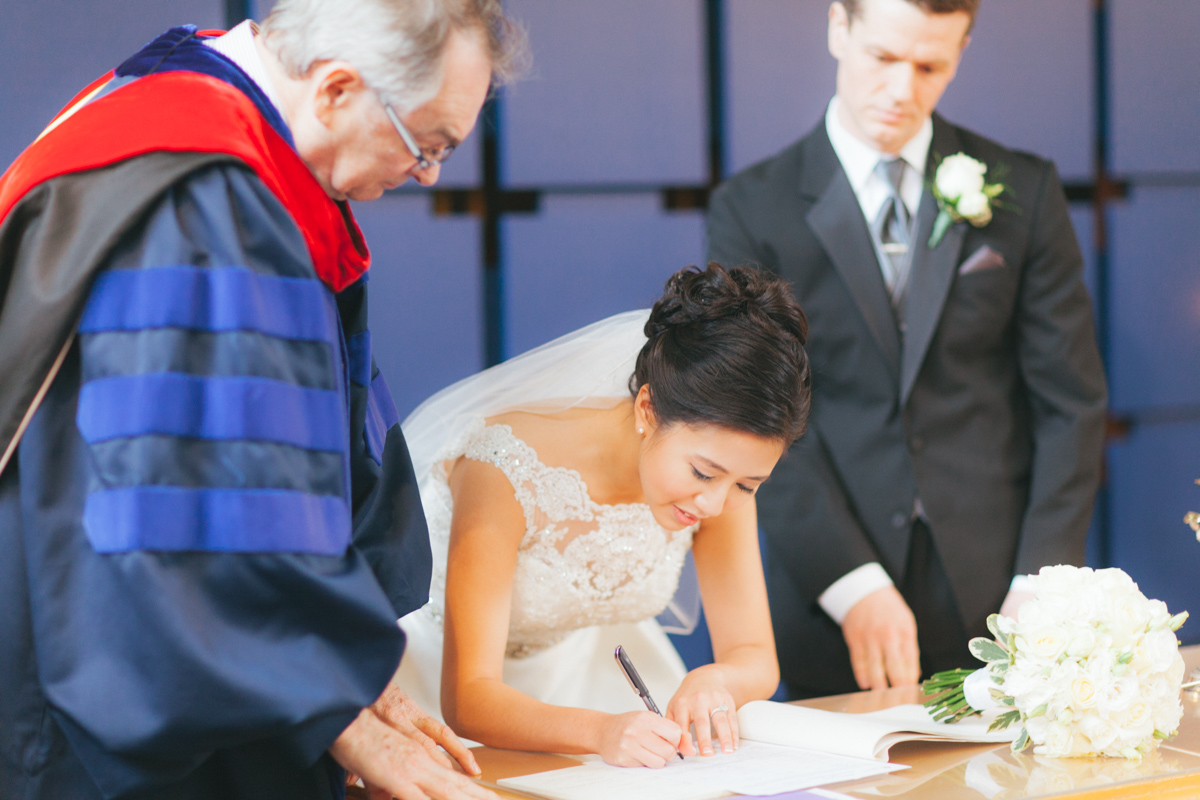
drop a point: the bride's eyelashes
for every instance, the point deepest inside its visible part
(701, 476)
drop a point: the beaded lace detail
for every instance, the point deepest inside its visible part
(580, 563)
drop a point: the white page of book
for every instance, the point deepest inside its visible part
(867, 735)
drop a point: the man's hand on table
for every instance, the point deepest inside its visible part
(400, 711)
(393, 764)
(881, 632)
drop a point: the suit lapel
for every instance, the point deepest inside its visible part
(837, 221)
(932, 271)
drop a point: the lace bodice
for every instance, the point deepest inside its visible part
(580, 563)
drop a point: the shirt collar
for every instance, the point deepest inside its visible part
(238, 46)
(859, 158)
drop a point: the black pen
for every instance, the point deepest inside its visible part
(635, 680)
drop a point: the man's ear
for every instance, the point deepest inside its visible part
(335, 83)
(839, 29)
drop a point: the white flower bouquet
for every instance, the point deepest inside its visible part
(1089, 667)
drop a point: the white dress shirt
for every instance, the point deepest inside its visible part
(859, 160)
(238, 46)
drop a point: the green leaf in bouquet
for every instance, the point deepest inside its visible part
(988, 650)
(1022, 741)
(1004, 720)
(1177, 620)
(993, 625)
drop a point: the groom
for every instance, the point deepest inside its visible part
(958, 395)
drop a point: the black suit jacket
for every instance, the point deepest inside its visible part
(989, 408)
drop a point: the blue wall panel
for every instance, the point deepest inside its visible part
(1156, 85)
(779, 75)
(1025, 80)
(1155, 323)
(1152, 473)
(51, 49)
(425, 292)
(616, 94)
(585, 258)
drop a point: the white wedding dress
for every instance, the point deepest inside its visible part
(589, 576)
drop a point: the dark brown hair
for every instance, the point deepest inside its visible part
(726, 347)
(970, 7)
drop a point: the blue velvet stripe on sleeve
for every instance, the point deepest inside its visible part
(209, 299)
(210, 408)
(215, 520)
(214, 398)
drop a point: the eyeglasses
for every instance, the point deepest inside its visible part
(424, 162)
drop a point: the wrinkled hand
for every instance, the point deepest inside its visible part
(394, 765)
(1013, 602)
(639, 739)
(399, 710)
(881, 632)
(698, 702)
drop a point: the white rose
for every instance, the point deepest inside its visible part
(1046, 643)
(1083, 692)
(1117, 695)
(959, 175)
(1136, 724)
(1167, 715)
(1082, 643)
(1059, 740)
(1100, 731)
(1158, 650)
(975, 208)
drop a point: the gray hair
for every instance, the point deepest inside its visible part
(396, 45)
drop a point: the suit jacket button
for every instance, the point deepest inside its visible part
(917, 443)
(899, 519)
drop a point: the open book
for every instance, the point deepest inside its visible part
(868, 735)
(783, 748)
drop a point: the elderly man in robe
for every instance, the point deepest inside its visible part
(207, 509)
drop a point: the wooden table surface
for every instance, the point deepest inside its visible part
(942, 771)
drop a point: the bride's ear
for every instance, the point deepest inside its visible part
(643, 412)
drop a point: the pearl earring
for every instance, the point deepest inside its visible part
(641, 431)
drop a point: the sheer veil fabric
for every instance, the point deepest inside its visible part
(588, 368)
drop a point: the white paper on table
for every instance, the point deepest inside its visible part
(598, 781)
(758, 768)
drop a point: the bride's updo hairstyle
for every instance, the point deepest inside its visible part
(726, 347)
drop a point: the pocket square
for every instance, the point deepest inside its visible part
(983, 258)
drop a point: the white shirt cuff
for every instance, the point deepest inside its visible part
(1021, 583)
(844, 593)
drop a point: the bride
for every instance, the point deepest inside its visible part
(564, 489)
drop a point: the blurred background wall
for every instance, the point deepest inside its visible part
(584, 188)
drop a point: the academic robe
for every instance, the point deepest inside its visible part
(209, 519)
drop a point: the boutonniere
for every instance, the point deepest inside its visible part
(962, 192)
